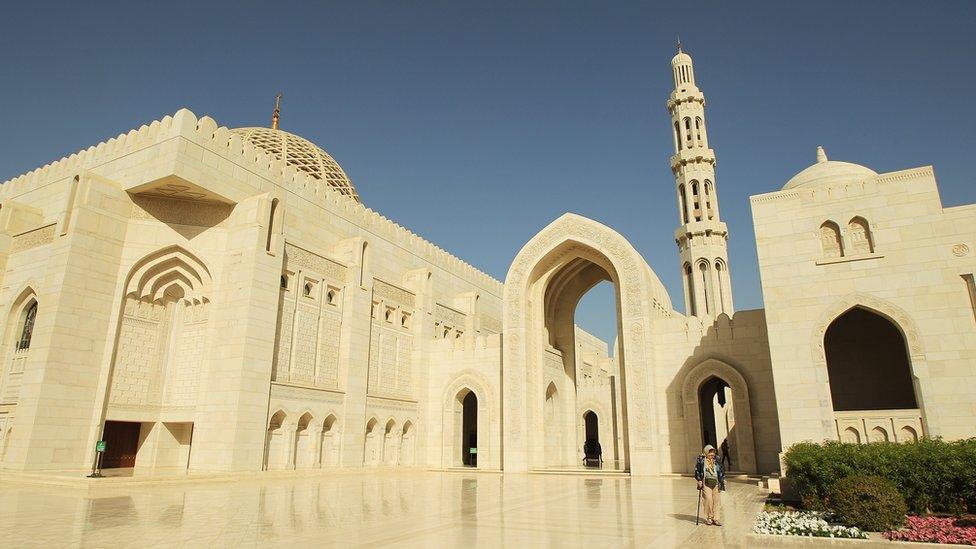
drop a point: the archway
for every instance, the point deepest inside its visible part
(278, 445)
(542, 289)
(591, 426)
(468, 394)
(407, 444)
(466, 427)
(718, 419)
(373, 446)
(304, 443)
(872, 387)
(329, 456)
(716, 409)
(391, 442)
(867, 363)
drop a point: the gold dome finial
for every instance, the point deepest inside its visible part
(277, 112)
(679, 45)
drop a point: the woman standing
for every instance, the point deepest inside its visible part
(711, 482)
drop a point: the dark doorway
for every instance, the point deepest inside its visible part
(711, 426)
(867, 363)
(592, 426)
(469, 430)
(121, 444)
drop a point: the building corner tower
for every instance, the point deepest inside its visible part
(702, 237)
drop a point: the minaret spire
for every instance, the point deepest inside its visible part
(277, 112)
(702, 237)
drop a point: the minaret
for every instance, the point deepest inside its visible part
(702, 238)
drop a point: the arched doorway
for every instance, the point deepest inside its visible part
(718, 418)
(469, 428)
(542, 290)
(591, 426)
(406, 455)
(391, 442)
(872, 386)
(717, 409)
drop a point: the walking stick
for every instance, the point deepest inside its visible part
(698, 509)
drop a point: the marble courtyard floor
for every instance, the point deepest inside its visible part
(404, 509)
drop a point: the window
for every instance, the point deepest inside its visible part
(830, 240)
(405, 320)
(28, 327)
(971, 288)
(331, 296)
(388, 315)
(308, 290)
(284, 282)
(860, 235)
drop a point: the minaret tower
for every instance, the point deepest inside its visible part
(702, 238)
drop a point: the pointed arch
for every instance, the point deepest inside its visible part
(859, 232)
(695, 378)
(640, 297)
(171, 267)
(831, 244)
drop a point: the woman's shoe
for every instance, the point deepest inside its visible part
(708, 522)
(716, 523)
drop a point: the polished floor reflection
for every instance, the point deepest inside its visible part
(405, 509)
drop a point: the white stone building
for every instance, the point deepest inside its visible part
(219, 299)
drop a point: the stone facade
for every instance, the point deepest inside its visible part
(220, 300)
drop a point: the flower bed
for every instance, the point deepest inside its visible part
(935, 530)
(803, 523)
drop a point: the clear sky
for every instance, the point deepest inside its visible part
(476, 124)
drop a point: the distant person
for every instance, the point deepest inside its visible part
(726, 454)
(711, 482)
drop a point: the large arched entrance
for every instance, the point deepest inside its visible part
(872, 388)
(543, 287)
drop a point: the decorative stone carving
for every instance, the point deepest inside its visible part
(447, 315)
(180, 212)
(33, 238)
(296, 257)
(960, 250)
(392, 292)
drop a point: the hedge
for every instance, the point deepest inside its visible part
(869, 503)
(932, 475)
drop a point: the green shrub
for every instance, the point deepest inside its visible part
(867, 502)
(932, 475)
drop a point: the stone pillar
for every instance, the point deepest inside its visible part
(232, 413)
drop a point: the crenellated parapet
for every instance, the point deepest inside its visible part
(254, 161)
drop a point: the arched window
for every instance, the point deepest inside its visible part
(677, 136)
(708, 200)
(27, 327)
(721, 276)
(271, 224)
(683, 203)
(687, 133)
(860, 235)
(690, 283)
(363, 258)
(696, 201)
(698, 127)
(703, 269)
(830, 240)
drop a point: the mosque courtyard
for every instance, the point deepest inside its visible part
(374, 509)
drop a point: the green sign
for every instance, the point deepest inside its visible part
(473, 451)
(100, 446)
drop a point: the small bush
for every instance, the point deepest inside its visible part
(932, 475)
(869, 503)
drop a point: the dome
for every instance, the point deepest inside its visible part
(302, 154)
(681, 59)
(826, 172)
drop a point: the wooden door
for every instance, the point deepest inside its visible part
(121, 443)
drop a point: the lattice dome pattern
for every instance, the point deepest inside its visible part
(302, 154)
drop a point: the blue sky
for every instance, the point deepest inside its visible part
(476, 124)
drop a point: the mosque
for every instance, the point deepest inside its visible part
(210, 299)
